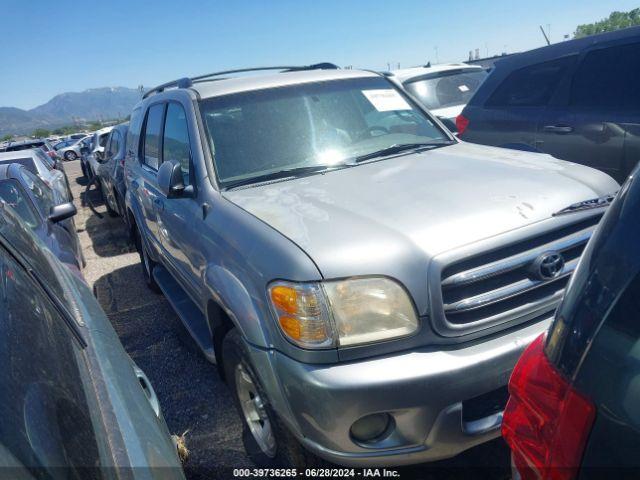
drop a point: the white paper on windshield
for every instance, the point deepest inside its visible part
(386, 100)
(463, 88)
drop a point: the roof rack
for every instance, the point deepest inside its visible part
(187, 82)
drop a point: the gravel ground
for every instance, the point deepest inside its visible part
(192, 396)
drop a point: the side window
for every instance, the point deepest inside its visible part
(133, 132)
(153, 125)
(531, 86)
(41, 191)
(175, 145)
(114, 143)
(608, 78)
(12, 194)
(45, 419)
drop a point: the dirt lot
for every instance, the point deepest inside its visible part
(192, 396)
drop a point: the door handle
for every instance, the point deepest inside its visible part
(562, 129)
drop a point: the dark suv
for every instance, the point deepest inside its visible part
(575, 396)
(578, 101)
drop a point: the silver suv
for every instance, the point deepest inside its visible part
(364, 281)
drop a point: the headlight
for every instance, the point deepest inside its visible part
(344, 312)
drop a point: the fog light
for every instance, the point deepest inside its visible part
(370, 427)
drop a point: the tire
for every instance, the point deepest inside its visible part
(280, 448)
(147, 264)
(70, 155)
(112, 213)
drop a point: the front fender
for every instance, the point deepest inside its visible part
(229, 292)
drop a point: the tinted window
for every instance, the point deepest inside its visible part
(41, 191)
(46, 159)
(531, 86)
(12, 194)
(175, 146)
(152, 136)
(103, 139)
(608, 78)
(26, 162)
(45, 419)
(311, 125)
(114, 143)
(447, 89)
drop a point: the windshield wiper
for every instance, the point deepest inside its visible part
(286, 173)
(400, 148)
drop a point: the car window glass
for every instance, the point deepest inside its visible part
(152, 136)
(176, 139)
(46, 159)
(311, 125)
(115, 143)
(12, 194)
(45, 419)
(448, 89)
(28, 163)
(531, 86)
(608, 78)
(41, 191)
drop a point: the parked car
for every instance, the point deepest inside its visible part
(443, 89)
(40, 143)
(70, 149)
(97, 148)
(37, 162)
(573, 409)
(72, 402)
(364, 281)
(111, 171)
(41, 209)
(576, 100)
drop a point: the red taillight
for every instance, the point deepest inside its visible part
(546, 422)
(462, 123)
(51, 154)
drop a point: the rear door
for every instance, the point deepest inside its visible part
(600, 111)
(511, 114)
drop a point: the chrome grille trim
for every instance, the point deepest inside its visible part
(516, 261)
(491, 285)
(506, 292)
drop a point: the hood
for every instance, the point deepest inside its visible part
(356, 220)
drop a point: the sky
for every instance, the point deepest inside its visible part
(54, 46)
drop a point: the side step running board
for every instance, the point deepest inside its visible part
(191, 316)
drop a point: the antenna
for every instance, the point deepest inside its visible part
(545, 35)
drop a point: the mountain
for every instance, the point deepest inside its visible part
(68, 108)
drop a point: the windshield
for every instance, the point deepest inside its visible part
(256, 133)
(447, 89)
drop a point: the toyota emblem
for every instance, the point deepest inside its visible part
(548, 265)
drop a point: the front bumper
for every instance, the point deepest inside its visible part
(423, 391)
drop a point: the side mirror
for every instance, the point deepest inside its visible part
(62, 212)
(170, 179)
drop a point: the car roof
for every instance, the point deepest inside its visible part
(404, 74)
(561, 49)
(29, 152)
(229, 85)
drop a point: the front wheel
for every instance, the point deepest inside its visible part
(147, 263)
(266, 439)
(70, 155)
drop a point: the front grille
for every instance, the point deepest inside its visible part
(499, 286)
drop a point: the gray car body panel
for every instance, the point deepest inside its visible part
(397, 217)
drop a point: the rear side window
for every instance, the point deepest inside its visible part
(175, 146)
(608, 78)
(531, 86)
(27, 163)
(153, 126)
(41, 191)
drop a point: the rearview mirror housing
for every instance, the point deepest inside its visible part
(170, 180)
(62, 212)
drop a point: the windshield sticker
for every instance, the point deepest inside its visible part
(463, 88)
(386, 100)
